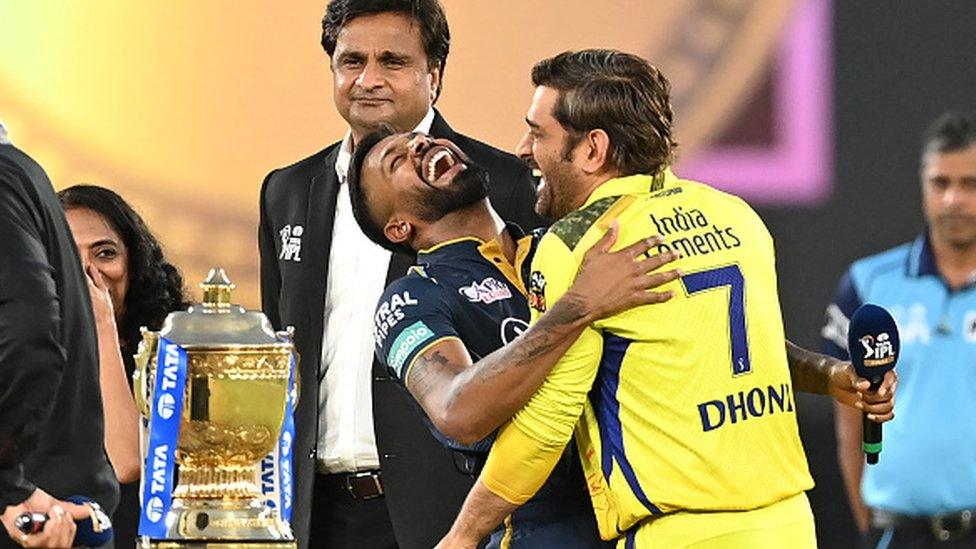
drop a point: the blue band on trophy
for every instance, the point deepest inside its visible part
(285, 444)
(275, 475)
(164, 428)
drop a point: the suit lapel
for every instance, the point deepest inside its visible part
(319, 218)
(439, 127)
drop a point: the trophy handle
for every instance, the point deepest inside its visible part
(140, 377)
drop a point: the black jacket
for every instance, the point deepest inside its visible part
(424, 486)
(51, 426)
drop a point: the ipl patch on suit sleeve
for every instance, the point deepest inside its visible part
(409, 340)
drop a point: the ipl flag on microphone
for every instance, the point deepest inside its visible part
(274, 474)
(164, 428)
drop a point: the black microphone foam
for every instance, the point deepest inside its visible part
(873, 344)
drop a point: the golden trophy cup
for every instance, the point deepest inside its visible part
(235, 371)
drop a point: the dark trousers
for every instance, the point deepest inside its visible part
(340, 521)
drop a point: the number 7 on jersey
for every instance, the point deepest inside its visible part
(731, 276)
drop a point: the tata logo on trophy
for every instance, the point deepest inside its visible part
(154, 509)
(167, 405)
(157, 481)
(167, 402)
(878, 351)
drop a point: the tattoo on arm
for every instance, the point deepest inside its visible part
(440, 381)
(547, 334)
(424, 374)
(555, 330)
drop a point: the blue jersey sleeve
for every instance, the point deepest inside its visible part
(838, 318)
(413, 314)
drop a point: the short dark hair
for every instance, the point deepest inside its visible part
(155, 285)
(360, 206)
(950, 132)
(620, 93)
(434, 32)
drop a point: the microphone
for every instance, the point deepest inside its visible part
(94, 531)
(872, 341)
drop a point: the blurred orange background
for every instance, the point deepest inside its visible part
(183, 107)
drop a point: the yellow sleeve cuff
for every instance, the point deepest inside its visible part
(518, 465)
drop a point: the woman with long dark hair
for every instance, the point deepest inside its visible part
(131, 285)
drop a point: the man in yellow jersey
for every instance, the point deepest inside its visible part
(683, 412)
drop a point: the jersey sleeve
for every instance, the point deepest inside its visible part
(413, 314)
(838, 318)
(528, 447)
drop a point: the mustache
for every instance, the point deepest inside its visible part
(368, 97)
(956, 217)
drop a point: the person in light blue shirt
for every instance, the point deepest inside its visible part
(922, 493)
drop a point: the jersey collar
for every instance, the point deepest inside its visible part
(921, 260)
(450, 251)
(632, 184)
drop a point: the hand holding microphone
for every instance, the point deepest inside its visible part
(77, 521)
(873, 344)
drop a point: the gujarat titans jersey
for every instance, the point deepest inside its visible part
(467, 290)
(685, 405)
(461, 289)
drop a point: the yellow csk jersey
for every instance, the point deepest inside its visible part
(685, 405)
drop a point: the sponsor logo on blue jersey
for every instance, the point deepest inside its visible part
(412, 337)
(487, 291)
(389, 313)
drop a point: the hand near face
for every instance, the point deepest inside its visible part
(102, 307)
(105, 258)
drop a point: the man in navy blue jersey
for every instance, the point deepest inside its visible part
(437, 328)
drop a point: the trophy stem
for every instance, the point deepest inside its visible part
(217, 483)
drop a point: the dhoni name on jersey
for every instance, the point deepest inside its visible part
(680, 406)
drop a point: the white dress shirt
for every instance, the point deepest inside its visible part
(355, 282)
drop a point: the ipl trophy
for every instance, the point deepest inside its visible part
(217, 387)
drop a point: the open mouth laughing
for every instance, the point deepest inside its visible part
(440, 163)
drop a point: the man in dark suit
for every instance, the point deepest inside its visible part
(378, 477)
(51, 427)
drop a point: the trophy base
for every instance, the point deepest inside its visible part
(221, 524)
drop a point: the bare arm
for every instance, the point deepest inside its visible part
(118, 406)
(467, 402)
(822, 374)
(847, 426)
(478, 517)
(811, 372)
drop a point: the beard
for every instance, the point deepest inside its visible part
(555, 199)
(956, 230)
(466, 189)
